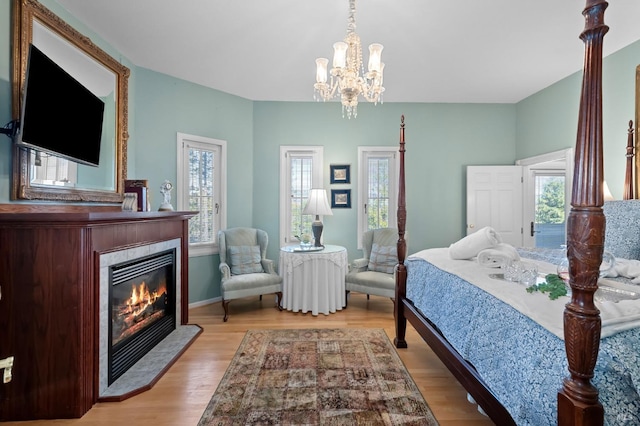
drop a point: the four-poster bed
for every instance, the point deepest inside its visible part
(530, 352)
(629, 192)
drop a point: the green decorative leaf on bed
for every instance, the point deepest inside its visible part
(553, 285)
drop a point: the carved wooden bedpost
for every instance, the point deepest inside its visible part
(629, 192)
(578, 399)
(401, 270)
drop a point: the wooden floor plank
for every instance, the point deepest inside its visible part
(181, 395)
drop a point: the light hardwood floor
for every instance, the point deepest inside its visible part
(181, 395)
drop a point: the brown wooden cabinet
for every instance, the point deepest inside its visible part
(49, 278)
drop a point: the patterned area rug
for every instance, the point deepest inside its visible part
(317, 377)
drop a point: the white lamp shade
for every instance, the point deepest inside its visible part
(321, 70)
(339, 54)
(375, 57)
(317, 204)
(606, 192)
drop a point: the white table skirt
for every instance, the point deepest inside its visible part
(313, 281)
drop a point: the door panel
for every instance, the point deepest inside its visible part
(494, 198)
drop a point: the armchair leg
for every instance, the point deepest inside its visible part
(346, 298)
(279, 297)
(225, 305)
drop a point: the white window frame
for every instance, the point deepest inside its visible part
(562, 159)
(364, 152)
(286, 153)
(184, 142)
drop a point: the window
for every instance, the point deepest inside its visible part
(300, 170)
(546, 227)
(48, 169)
(378, 170)
(202, 187)
(549, 226)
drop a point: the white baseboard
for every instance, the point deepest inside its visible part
(205, 302)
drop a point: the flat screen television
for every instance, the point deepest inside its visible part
(59, 115)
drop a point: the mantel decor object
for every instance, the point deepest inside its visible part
(165, 189)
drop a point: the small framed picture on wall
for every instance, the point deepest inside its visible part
(340, 198)
(340, 173)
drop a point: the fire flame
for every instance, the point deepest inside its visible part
(141, 297)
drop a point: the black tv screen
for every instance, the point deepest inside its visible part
(59, 115)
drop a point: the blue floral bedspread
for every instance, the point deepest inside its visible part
(520, 361)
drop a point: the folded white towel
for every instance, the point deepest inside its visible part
(473, 244)
(628, 268)
(498, 256)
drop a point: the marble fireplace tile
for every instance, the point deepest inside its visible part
(114, 258)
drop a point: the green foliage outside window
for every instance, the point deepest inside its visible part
(201, 227)
(378, 199)
(550, 204)
(301, 183)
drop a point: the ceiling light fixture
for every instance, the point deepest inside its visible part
(348, 79)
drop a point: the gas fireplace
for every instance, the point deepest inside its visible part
(142, 308)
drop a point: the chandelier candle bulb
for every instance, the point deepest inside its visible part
(321, 70)
(339, 54)
(375, 57)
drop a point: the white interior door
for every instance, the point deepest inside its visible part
(494, 198)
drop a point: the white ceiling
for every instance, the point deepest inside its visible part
(448, 51)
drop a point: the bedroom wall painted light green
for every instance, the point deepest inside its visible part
(171, 106)
(441, 140)
(166, 106)
(547, 121)
(5, 99)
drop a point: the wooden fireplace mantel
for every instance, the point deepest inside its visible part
(49, 279)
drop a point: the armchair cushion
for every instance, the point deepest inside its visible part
(383, 258)
(245, 260)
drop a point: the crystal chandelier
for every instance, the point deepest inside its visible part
(348, 79)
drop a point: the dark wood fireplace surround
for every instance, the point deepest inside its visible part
(49, 279)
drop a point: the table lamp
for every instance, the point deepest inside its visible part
(318, 205)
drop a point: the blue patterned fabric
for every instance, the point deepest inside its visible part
(520, 361)
(622, 231)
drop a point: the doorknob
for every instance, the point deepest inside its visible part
(533, 229)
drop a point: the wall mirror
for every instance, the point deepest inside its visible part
(41, 176)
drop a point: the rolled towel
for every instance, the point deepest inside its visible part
(627, 268)
(473, 244)
(498, 256)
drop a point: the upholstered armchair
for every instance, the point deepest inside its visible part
(245, 269)
(375, 272)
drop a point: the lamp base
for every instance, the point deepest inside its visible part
(316, 228)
